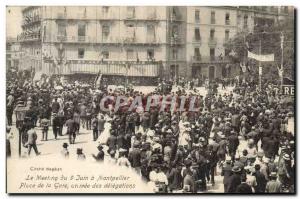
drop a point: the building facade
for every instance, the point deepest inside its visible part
(137, 41)
(13, 53)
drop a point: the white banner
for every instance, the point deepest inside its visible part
(269, 57)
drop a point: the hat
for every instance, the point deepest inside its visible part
(196, 144)
(253, 127)
(186, 123)
(156, 139)
(150, 133)
(266, 160)
(188, 129)
(99, 147)
(65, 145)
(236, 169)
(222, 136)
(201, 139)
(273, 174)
(286, 157)
(121, 150)
(260, 154)
(79, 151)
(169, 131)
(174, 122)
(136, 144)
(188, 162)
(228, 159)
(8, 129)
(112, 152)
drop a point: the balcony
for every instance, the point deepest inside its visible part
(196, 39)
(61, 15)
(107, 17)
(82, 38)
(175, 41)
(24, 37)
(209, 59)
(61, 37)
(130, 16)
(174, 17)
(31, 20)
(73, 39)
(152, 16)
(212, 42)
(129, 40)
(196, 58)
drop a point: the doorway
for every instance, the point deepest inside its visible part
(211, 72)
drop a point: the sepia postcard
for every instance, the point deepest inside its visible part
(150, 99)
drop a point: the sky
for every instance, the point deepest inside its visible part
(13, 21)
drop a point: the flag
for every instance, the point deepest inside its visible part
(263, 58)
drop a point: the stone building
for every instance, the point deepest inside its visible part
(135, 41)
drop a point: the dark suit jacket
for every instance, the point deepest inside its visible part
(135, 158)
(234, 182)
(261, 182)
(226, 172)
(244, 188)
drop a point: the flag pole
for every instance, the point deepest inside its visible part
(259, 66)
(281, 67)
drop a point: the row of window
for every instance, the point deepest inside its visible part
(130, 31)
(105, 30)
(212, 17)
(130, 54)
(197, 54)
(197, 36)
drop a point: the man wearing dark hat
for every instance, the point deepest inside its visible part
(260, 180)
(175, 178)
(112, 140)
(226, 172)
(100, 156)
(8, 137)
(9, 108)
(71, 130)
(31, 142)
(234, 180)
(101, 122)
(134, 157)
(95, 127)
(65, 152)
(233, 143)
(244, 187)
(80, 155)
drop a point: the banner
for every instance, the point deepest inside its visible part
(269, 57)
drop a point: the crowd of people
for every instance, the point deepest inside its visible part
(241, 135)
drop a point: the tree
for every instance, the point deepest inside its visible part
(269, 36)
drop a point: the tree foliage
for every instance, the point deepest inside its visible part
(269, 36)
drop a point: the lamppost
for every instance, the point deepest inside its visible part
(20, 112)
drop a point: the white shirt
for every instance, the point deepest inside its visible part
(158, 177)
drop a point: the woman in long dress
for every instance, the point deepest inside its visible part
(102, 139)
